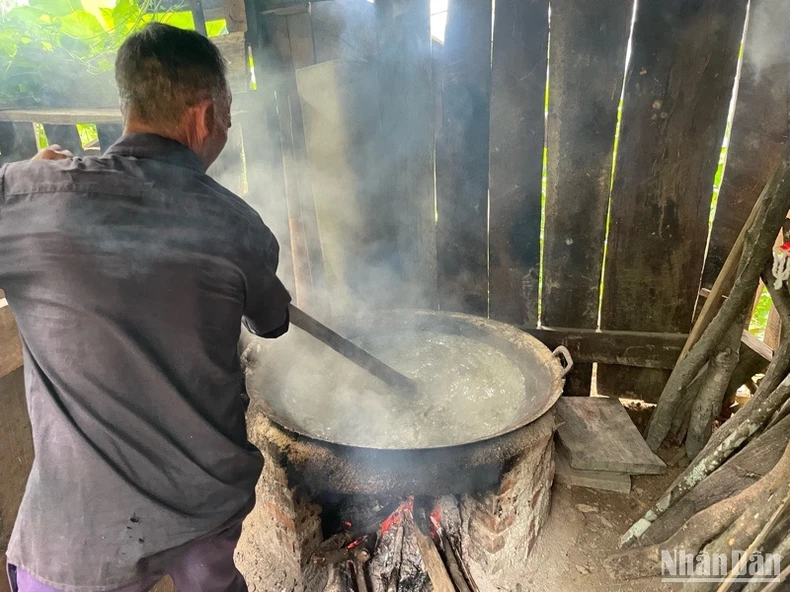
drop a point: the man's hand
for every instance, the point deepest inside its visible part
(53, 152)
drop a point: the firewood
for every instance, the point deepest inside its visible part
(436, 568)
(758, 242)
(702, 527)
(746, 423)
(711, 394)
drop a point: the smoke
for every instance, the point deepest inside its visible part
(768, 37)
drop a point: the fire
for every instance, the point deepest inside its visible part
(395, 518)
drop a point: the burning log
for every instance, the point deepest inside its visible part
(437, 571)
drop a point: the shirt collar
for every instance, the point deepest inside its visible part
(157, 147)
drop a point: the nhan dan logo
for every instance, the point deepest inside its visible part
(681, 566)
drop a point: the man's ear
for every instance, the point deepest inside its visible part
(202, 121)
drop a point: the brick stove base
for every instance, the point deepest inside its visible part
(498, 529)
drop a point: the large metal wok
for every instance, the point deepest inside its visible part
(456, 462)
(286, 378)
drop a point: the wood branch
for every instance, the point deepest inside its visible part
(453, 565)
(701, 527)
(758, 241)
(720, 447)
(723, 284)
(10, 345)
(782, 549)
(778, 510)
(714, 387)
(741, 471)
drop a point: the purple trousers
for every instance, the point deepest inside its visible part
(204, 565)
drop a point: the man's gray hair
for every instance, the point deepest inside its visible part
(161, 71)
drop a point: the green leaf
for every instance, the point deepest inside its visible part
(107, 18)
(83, 26)
(57, 7)
(182, 19)
(125, 14)
(215, 28)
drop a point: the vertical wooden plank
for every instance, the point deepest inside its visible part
(677, 97)
(17, 141)
(300, 35)
(462, 159)
(291, 44)
(760, 129)
(262, 141)
(405, 209)
(587, 58)
(66, 136)
(518, 88)
(108, 135)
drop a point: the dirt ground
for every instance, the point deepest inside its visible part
(583, 530)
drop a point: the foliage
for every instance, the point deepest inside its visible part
(57, 53)
(760, 317)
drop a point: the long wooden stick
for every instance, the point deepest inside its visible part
(723, 283)
(350, 350)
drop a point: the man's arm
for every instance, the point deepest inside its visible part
(266, 305)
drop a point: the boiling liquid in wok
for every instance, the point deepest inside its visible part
(467, 391)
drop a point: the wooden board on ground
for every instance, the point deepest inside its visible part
(760, 129)
(404, 208)
(462, 159)
(598, 435)
(518, 87)
(606, 480)
(677, 95)
(588, 46)
(10, 345)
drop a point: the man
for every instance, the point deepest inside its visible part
(129, 276)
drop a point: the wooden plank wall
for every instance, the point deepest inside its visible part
(760, 129)
(675, 111)
(587, 57)
(518, 88)
(462, 159)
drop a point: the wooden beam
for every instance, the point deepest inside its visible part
(518, 90)
(625, 348)
(10, 345)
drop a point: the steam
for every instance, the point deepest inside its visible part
(768, 37)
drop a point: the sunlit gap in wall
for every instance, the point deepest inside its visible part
(438, 19)
(544, 174)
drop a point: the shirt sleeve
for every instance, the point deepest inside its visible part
(266, 304)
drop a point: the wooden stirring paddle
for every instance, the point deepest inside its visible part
(351, 350)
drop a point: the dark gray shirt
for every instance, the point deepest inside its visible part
(129, 275)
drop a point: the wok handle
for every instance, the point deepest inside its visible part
(564, 356)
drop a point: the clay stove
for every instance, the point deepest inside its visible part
(332, 517)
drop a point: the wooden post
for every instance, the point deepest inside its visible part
(462, 159)
(517, 135)
(108, 134)
(677, 97)
(587, 53)
(66, 136)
